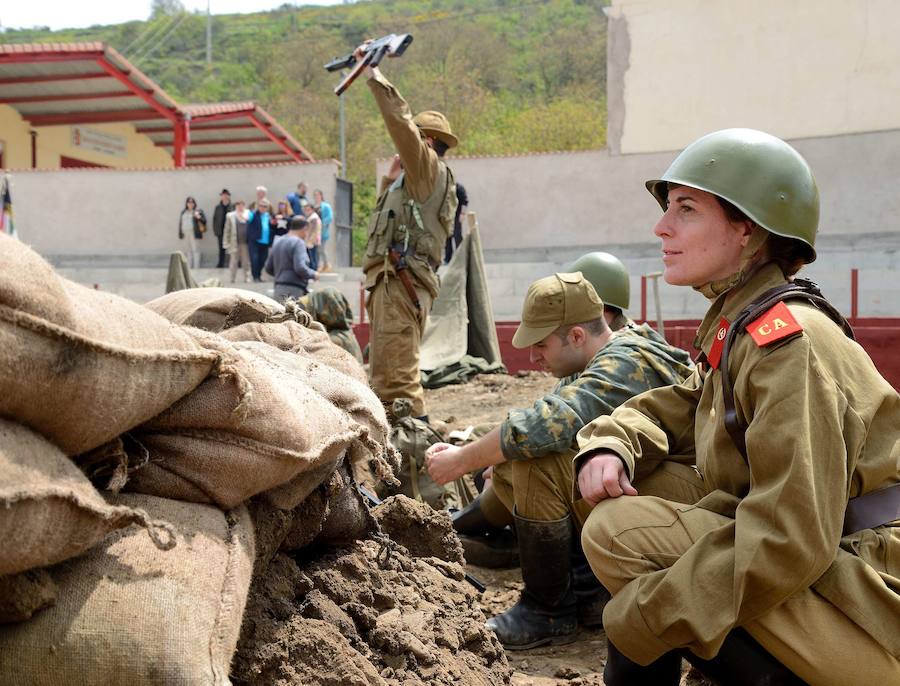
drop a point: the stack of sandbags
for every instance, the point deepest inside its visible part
(287, 401)
(78, 368)
(255, 406)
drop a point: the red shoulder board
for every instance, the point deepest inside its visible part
(774, 325)
(715, 352)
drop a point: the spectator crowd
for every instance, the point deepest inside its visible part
(245, 233)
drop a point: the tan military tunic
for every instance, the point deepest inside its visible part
(396, 327)
(823, 426)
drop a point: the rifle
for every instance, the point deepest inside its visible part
(391, 45)
(374, 501)
(399, 261)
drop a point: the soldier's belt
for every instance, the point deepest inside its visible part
(399, 263)
(872, 509)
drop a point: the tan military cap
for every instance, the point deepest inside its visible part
(436, 125)
(553, 302)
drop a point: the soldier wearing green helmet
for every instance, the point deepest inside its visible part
(609, 277)
(786, 569)
(600, 364)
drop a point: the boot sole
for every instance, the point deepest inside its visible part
(555, 641)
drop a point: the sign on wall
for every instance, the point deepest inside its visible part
(99, 141)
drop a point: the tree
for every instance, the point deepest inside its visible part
(165, 8)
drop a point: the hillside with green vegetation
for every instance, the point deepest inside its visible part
(512, 77)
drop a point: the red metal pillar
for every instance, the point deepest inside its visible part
(181, 142)
(854, 295)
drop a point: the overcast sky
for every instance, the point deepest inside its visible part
(63, 14)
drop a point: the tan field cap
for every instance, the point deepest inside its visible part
(553, 302)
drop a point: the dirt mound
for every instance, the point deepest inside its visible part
(422, 531)
(370, 613)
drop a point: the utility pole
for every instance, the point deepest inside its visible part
(343, 139)
(208, 36)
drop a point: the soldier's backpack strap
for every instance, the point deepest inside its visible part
(799, 289)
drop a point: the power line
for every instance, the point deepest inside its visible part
(162, 40)
(151, 28)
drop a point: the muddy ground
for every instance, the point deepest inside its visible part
(486, 399)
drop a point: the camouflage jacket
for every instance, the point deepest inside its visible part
(635, 360)
(328, 306)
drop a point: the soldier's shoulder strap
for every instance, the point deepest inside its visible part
(798, 289)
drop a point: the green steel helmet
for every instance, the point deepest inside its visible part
(760, 174)
(607, 275)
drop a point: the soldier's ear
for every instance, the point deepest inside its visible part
(577, 335)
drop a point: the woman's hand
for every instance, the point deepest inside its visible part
(603, 476)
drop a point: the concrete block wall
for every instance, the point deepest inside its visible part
(129, 216)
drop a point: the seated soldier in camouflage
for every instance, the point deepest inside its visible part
(568, 331)
(329, 307)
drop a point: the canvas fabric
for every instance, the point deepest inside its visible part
(129, 614)
(49, 511)
(81, 366)
(214, 309)
(462, 319)
(254, 426)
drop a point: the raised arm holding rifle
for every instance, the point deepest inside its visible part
(412, 220)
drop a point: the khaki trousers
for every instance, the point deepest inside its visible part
(396, 330)
(542, 488)
(628, 537)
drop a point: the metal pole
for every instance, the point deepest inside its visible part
(208, 35)
(343, 141)
(643, 298)
(654, 276)
(854, 295)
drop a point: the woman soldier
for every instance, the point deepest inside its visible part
(787, 568)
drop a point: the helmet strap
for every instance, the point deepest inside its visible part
(714, 289)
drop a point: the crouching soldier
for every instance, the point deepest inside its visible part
(787, 570)
(565, 325)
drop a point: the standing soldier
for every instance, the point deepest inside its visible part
(568, 329)
(787, 570)
(407, 231)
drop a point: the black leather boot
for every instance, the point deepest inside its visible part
(590, 595)
(545, 612)
(742, 661)
(484, 544)
(621, 671)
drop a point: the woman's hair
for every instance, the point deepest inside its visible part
(190, 198)
(788, 253)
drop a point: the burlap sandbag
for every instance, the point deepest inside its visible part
(252, 428)
(81, 366)
(296, 338)
(129, 614)
(371, 451)
(49, 511)
(24, 594)
(214, 309)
